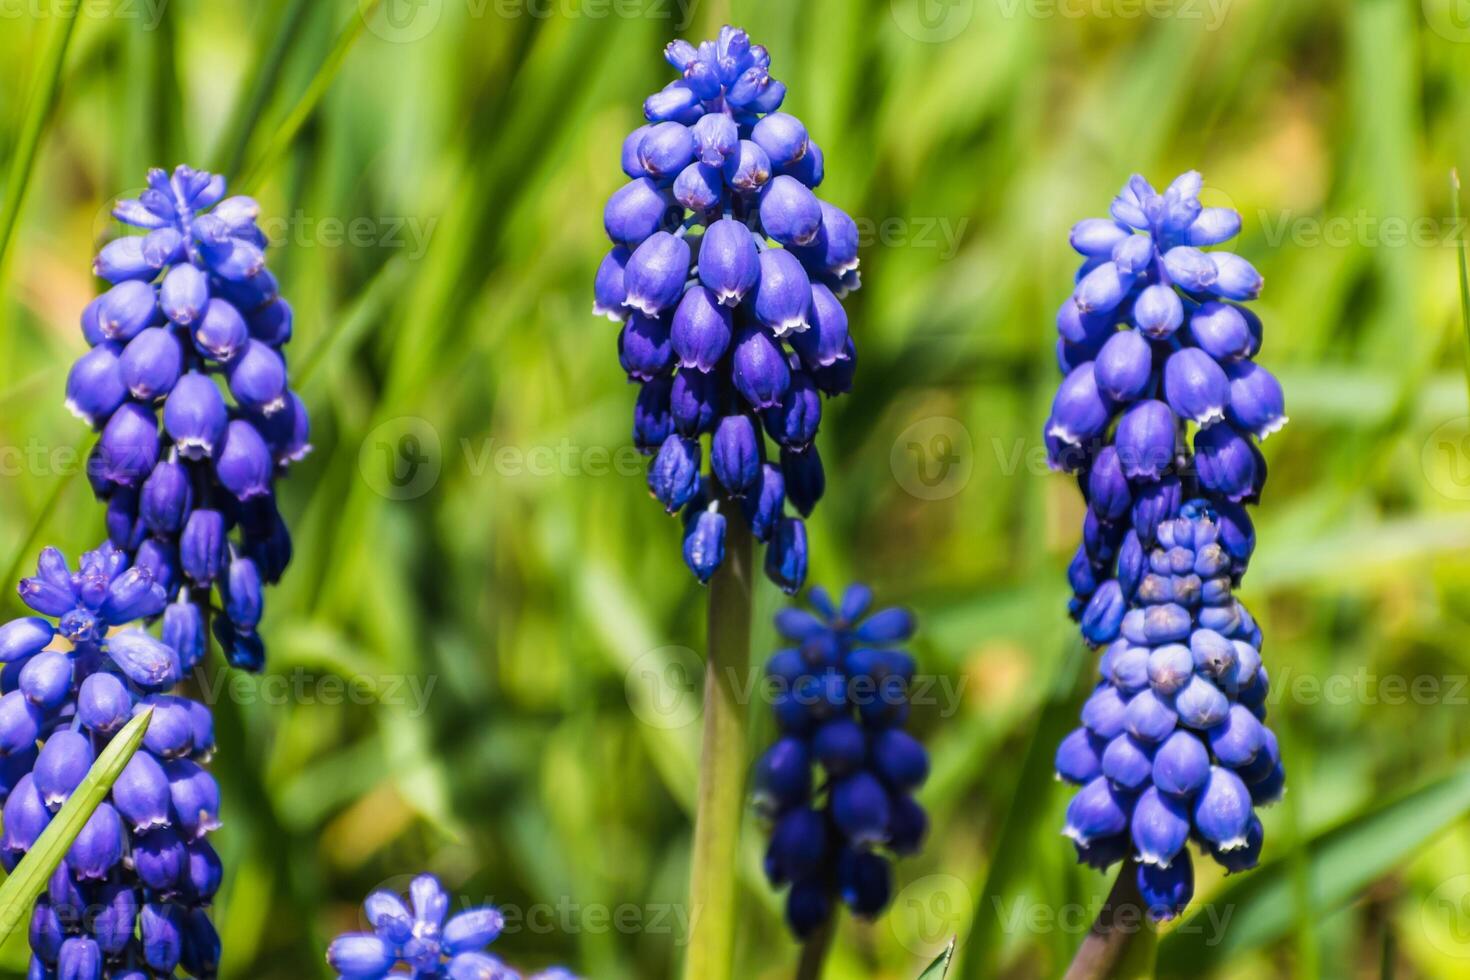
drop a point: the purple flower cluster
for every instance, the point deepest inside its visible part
(130, 898)
(1173, 744)
(421, 940)
(187, 384)
(841, 699)
(1155, 342)
(727, 274)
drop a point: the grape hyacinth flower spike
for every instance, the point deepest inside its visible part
(727, 274)
(424, 937)
(186, 383)
(134, 889)
(841, 700)
(1158, 416)
(1161, 400)
(1173, 745)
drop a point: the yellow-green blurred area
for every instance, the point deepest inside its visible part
(478, 656)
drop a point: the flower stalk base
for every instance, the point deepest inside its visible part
(723, 763)
(814, 951)
(1122, 941)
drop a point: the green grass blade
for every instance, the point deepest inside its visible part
(43, 97)
(1340, 863)
(258, 88)
(939, 969)
(1464, 271)
(1010, 855)
(367, 309)
(30, 877)
(322, 81)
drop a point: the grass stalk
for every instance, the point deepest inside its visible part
(43, 97)
(723, 763)
(257, 90)
(814, 952)
(286, 133)
(1122, 941)
(1464, 272)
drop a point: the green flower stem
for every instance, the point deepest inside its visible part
(1122, 942)
(723, 763)
(814, 953)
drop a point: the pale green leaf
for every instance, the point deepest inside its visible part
(27, 881)
(939, 969)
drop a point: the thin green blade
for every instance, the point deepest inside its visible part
(1464, 272)
(43, 96)
(321, 82)
(30, 877)
(255, 94)
(1024, 815)
(939, 969)
(1340, 863)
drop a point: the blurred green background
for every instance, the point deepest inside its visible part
(484, 667)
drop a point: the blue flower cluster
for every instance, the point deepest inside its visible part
(422, 941)
(187, 384)
(1173, 744)
(130, 899)
(1155, 340)
(841, 698)
(727, 274)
